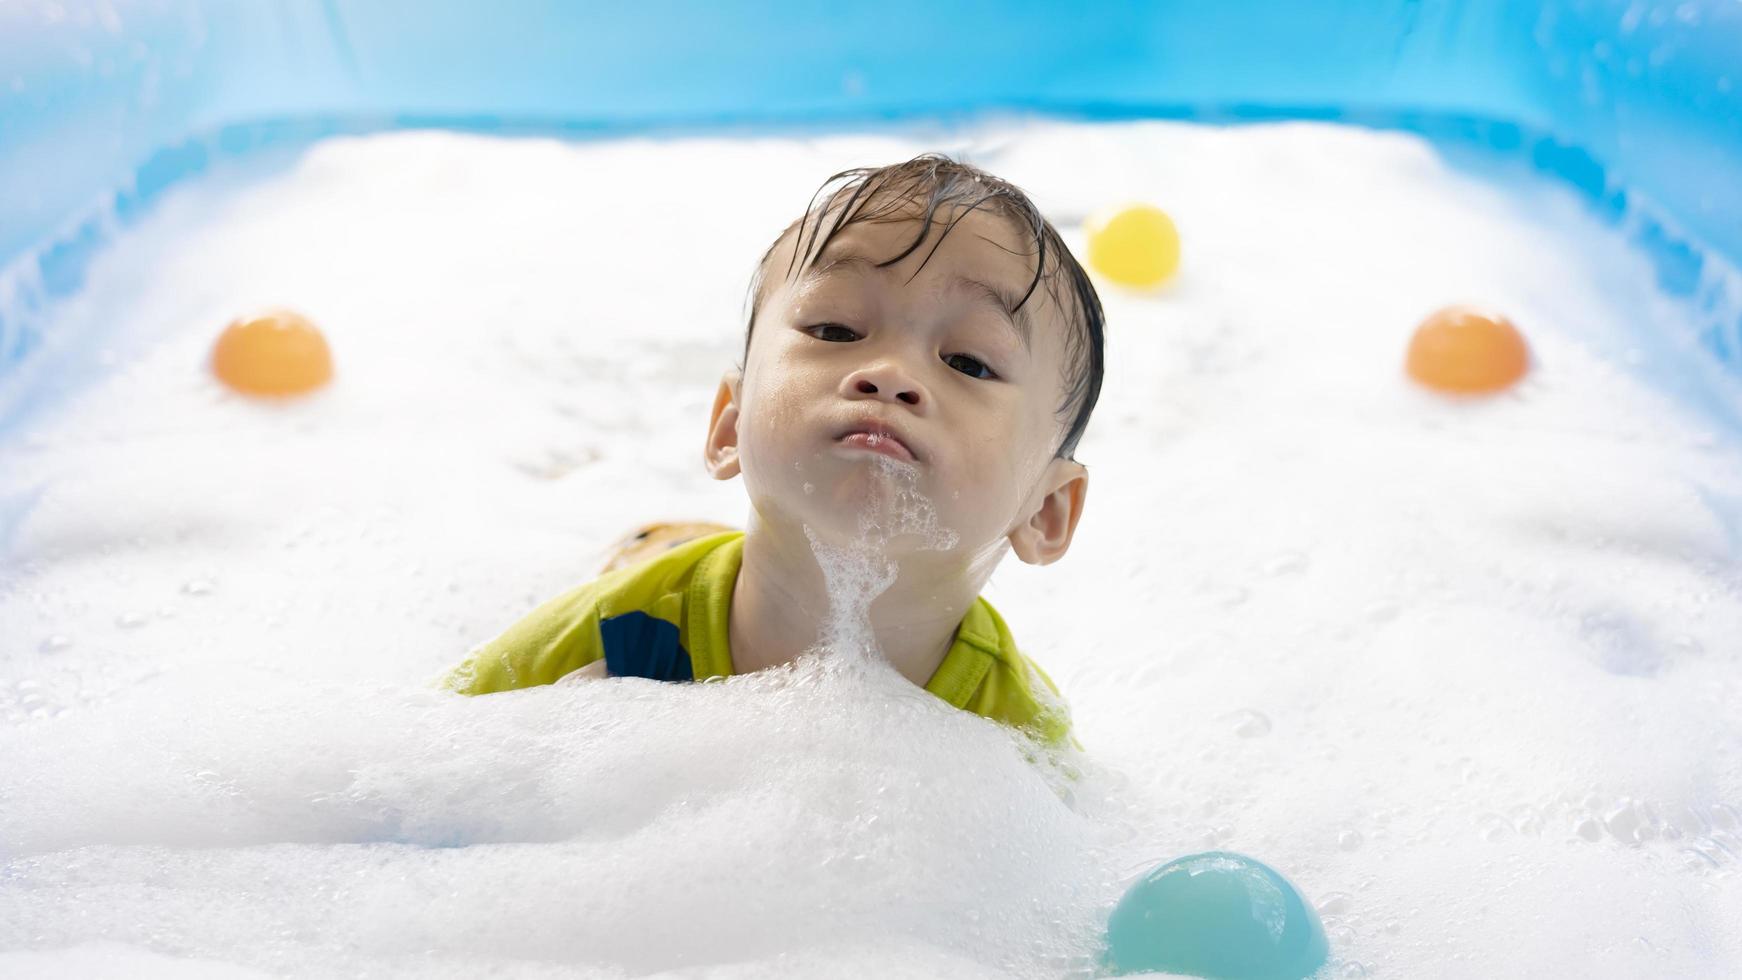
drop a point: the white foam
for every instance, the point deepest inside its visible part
(1465, 672)
(859, 570)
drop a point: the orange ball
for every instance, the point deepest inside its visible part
(1464, 350)
(276, 353)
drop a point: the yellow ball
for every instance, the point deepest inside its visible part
(1136, 246)
(278, 352)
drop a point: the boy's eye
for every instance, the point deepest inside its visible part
(970, 366)
(833, 333)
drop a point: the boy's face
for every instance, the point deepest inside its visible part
(863, 385)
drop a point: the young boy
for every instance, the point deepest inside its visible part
(922, 326)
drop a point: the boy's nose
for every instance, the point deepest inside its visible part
(886, 381)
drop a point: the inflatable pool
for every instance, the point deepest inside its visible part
(1636, 105)
(1464, 669)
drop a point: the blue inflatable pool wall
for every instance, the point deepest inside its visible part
(105, 104)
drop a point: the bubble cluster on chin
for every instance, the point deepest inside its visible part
(860, 569)
(904, 510)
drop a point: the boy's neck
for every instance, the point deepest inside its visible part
(781, 604)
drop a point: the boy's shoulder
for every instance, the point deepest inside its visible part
(987, 673)
(663, 618)
(666, 618)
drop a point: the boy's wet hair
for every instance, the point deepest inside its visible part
(937, 183)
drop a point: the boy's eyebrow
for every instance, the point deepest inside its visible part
(1017, 321)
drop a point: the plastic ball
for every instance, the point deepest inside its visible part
(275, 353)
(1135, 246)
(1216, 915)
(1465, 350)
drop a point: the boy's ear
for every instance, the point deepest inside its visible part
(721, 453)
(1045, 535)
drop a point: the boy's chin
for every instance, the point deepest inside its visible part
(847, 534)
(857, 514)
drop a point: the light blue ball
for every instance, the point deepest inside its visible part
(1216, 915)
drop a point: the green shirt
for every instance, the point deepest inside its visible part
(666, 619)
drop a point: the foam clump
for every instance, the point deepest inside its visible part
(803, 811)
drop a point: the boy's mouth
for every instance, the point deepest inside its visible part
(878, 438)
